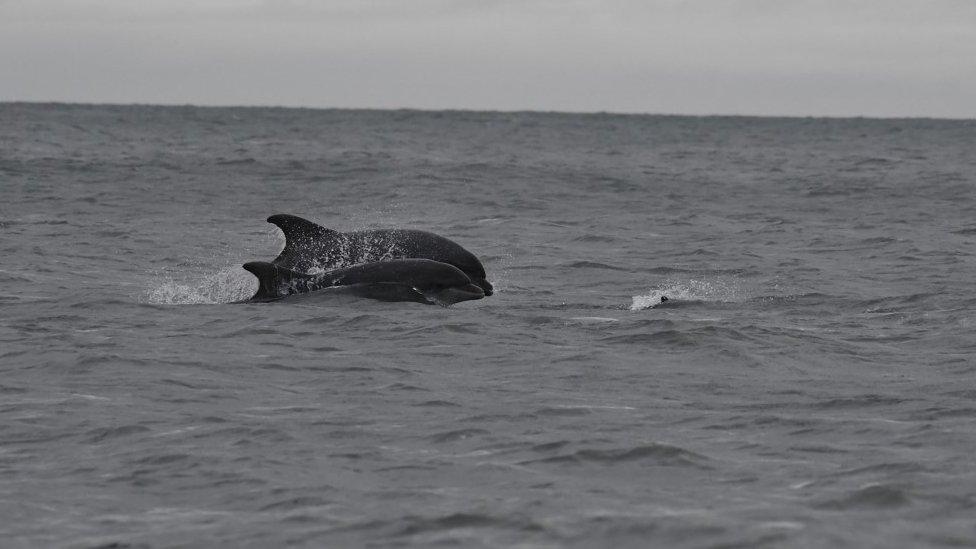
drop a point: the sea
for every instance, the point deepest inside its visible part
(810, 381)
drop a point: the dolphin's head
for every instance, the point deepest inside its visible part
(452, 286)
(467, 262)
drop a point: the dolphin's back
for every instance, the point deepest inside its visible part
(418, 273)
(383, 244)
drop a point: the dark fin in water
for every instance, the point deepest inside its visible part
(302, 238)
(273, 282)
(267, 275)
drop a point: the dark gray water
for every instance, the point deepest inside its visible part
(811, 383)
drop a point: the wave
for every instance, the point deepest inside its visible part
(592, 265)
(456, 435)
(873, 496)
(650, 453)
(415, 525)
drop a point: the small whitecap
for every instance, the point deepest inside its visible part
(89, 397)
(641, 302)
(781, 525)
(687, 290)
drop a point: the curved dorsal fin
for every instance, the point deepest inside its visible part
(271, 279)
(267, 275)
(302, 238)
(297, 227)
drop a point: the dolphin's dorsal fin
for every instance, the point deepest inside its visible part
(273, 281)
(267, 275)
(302, 238)
(297, 227)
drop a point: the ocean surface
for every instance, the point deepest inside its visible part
(810, 383)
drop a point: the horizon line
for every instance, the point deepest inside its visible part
(479, 110)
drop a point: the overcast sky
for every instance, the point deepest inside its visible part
(770, 57)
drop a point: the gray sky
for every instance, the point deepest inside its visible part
(774, 57)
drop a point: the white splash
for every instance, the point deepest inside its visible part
(687, 290)
(224, 286)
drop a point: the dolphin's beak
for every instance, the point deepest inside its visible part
(475, 290)
(485, 286)
(457, 294)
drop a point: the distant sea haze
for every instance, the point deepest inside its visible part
(808, 382)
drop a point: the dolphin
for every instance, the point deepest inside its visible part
(419, 280)
(310, 246)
